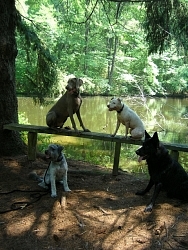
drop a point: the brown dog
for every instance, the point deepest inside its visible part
(66, 106)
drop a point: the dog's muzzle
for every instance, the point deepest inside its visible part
(141, 157)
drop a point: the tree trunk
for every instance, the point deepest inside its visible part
(11, 143)
(113, 61)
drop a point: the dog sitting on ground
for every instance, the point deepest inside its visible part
(66, 106)
(164, 171)
(57, 170)
(127, 117)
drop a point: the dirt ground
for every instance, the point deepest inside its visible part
(101, 213)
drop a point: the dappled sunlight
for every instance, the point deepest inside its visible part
(101, 212)
(43, 224)
(17, 226)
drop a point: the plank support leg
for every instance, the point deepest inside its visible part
(174, 154)
(116, 158)
(32, 145)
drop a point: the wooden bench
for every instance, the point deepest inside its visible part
(33, 130)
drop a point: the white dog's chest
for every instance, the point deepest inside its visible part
(123, 118)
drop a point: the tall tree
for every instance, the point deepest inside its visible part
(11, 142)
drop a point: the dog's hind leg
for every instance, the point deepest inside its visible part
(51, 119)
(147, 189)
(154, 197)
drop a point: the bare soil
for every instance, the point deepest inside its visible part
(101, 213)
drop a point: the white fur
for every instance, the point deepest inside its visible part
(57, 171)
(128, 118)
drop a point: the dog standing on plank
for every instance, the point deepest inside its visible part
(127, 117)
(165, 172)
(66, 106)
(57, 170)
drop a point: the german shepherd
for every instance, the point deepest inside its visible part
(164, 171)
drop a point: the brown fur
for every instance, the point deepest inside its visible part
(66, 106)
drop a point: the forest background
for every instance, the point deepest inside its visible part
(105, 43)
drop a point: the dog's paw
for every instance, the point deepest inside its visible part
(148, 208)
(53, 195)
(67, 190)
(140, 193)
(87, 130)
(42, 184)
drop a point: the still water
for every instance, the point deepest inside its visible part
(167, 116)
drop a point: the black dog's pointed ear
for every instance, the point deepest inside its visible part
(147, 136)
(156, 139)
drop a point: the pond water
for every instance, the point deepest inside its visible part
(167, 116)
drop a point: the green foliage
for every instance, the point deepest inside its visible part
(38, 76)
(166, 22)
(104, 43)
(181, 76)
(22, 119)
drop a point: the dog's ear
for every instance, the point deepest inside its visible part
(147, 136)
(119, 99)
(156, 139)
(79, 82)
(60, 148)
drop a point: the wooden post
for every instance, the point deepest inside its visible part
(32, 144)
(116, 158)
(174, 154)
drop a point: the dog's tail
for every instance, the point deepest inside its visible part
(34, 176)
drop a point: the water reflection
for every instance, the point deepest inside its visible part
(166, 115)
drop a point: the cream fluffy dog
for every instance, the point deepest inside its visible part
(57, 170)
(127, 117)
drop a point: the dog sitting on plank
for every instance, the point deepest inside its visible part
(66, 106)
(57, 170)
(127, 117)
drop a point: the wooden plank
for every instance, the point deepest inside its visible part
(34, 130)
(66, 132)
(174, 154)
(88, 135)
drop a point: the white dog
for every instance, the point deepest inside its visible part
(127, 117)
(57, 170)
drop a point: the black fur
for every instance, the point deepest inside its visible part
(164, 171)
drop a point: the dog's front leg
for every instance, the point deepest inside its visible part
(81, 122)
(157, 189)
(70, 112)
(147, 189)
(117, 127)
(65, 184)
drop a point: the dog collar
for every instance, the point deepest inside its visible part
(59, 158)
(121, 109)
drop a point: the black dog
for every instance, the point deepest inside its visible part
(164, 171)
